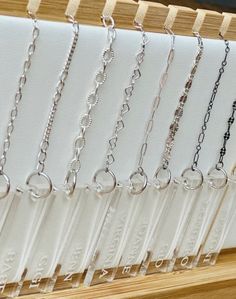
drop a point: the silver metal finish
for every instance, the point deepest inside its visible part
(174, 127)
(150, 123)
(187, 180)
(17, 100)
(125, 108)
(44, 145)
(213, 181)
(92, 100)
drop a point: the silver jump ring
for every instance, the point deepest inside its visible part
(31, 15)
(138, 25)
(7, 182)
(211, 181)
(158, 184)
(133, 190)
(70, 182)
(48, 181)
(108, 21)
(100, 187)
(186, 183)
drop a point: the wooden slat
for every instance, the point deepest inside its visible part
(228, 27)
(153, 15)
(208, 23)
(210, 282)
(181, 20)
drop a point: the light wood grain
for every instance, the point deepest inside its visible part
(153, 15)
(181, 19)
(210, 282)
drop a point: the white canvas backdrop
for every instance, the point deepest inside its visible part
(52, 49)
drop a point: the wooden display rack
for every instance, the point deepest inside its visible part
(210, 282)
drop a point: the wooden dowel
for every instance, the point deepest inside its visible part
(208, 23)
(228, 27)
(123, 12)
(181, 20)
(152, 16)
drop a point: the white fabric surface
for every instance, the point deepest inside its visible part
(52, 49)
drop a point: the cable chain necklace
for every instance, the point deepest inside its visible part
(150, 123)
(44, 145)
(202, 134)
(220, 164)
(17, 100)
(173, 129)
(92, 100)
(125, 108)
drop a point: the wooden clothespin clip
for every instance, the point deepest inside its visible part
(208, 23)
(152, 15)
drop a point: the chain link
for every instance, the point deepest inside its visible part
(202, 134)
(230, 122)
(128, 92)
(18, 95)
(42, 155)
(156, 102)
(92, 100)
(180, 108)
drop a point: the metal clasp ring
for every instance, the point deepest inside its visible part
(211, 180)
(70, 182)
(108, 21)
(186, 183)
(141, 173)
(8, 185)
(100, 187)
(157, 181)
(33, 188)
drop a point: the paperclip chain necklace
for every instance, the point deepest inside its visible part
(140, 171)
(92, 100)
(202, 134)
(17, 100)
(174, 127)
(128, 92)
(44, 145)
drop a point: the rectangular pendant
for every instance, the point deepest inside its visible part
(18, 234)
(149, 209)
(218, 229)
(156, 251)
(75, 252)
(112, 237)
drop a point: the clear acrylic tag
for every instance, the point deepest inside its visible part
(220, 224)
(112, 236)
(166, 196)
(148, 210)
(81, 235)
(191, 229)
(18, 234)
(5, 206)
(44, 252)
(205, 201)
(160, 252)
